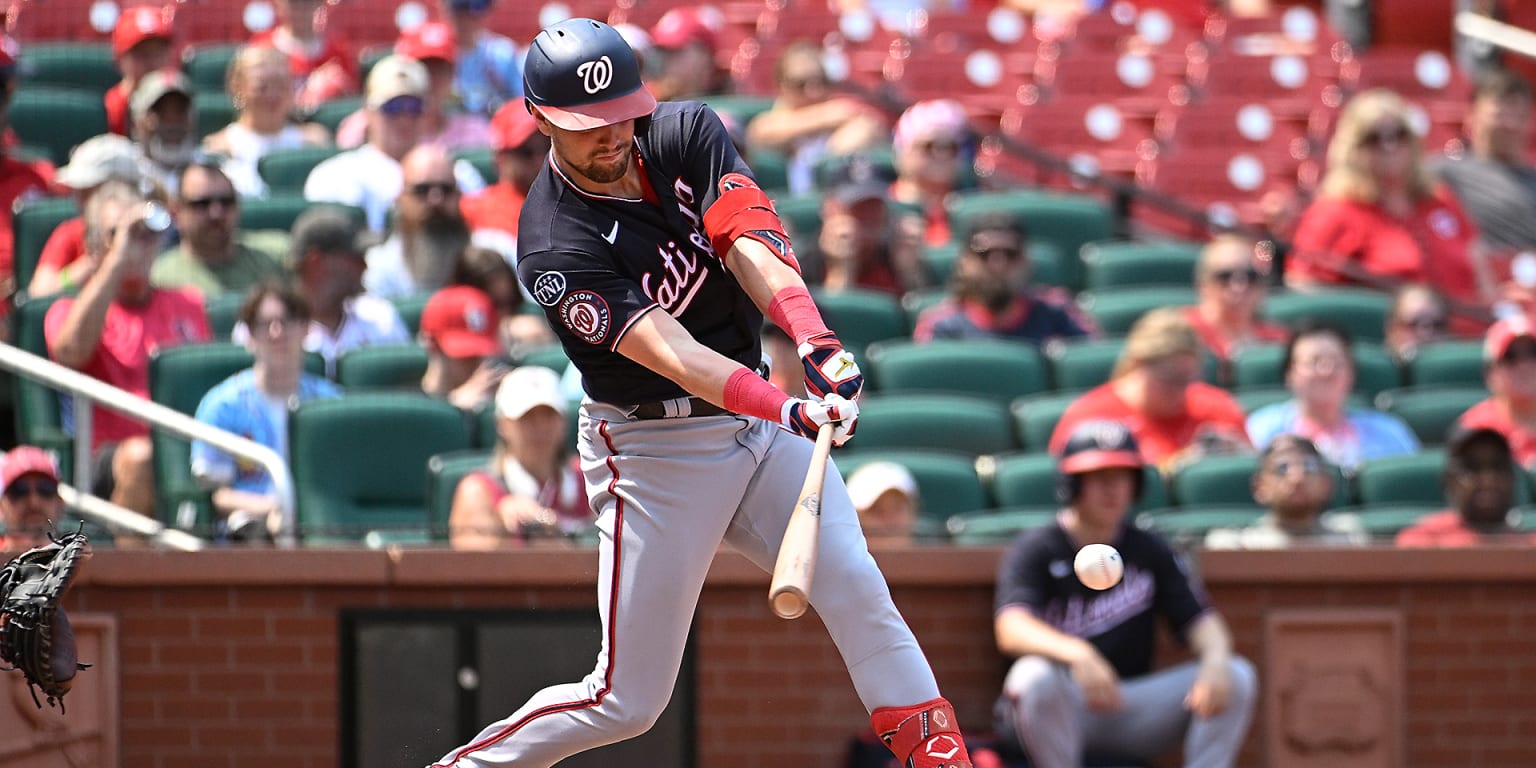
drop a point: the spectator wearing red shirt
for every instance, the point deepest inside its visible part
(112, 327)
(1379, 220)
(141, 44)
(1480, 485)
(1155, 392)
(1509, 368)
(1231, 282)
(19, 179)
(63, 265)
(323, 65)
(519, 155)
(930, 142)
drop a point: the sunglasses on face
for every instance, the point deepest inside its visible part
(1384, 138)
(1006, 253)
(402, 105)
(1309, 465)
(938, 148)
(425, 189)
(22, 489)
(1423, 323)
(805, 83)
(204, 203)
(1249, 276)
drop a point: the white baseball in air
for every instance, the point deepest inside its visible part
(1098, 566)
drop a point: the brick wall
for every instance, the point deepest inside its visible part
(229, 658)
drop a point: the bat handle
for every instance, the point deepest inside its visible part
(796, 565)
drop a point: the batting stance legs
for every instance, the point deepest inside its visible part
(669, 491)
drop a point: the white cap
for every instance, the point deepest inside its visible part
(395, 75)
(98, 159)
(871, 481)
(526, 387)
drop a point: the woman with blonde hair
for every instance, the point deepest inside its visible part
(1379, 219)
(260, 82)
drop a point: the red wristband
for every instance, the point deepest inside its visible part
(748, 393)
(793, 310)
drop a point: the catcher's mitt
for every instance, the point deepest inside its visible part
(34, 631)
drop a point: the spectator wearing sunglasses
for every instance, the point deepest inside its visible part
(1418, 317)
(1294, 485)
(488, 71)
(30, 506)
(214, 255)
(931, 157)
(442, 121)
(429, 233)
(1509, 360)
(1230, 286)
(520, 150)
(323, 65)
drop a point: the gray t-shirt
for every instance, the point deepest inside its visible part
(1500, 198)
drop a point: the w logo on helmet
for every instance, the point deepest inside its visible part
(596, 75)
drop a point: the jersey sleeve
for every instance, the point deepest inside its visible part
(1023, 575)
(711, 156)
(590, 304)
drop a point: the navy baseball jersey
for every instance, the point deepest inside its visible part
(1037, 573)
(597, 263)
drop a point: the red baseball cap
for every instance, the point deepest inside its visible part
(1504, 333)
(135, 25)
(429, 40)
(512, 125)
(683, 25)
(27, 460)
(462, 322)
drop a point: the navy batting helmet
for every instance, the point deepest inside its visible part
(580, 74)
(1096, 445)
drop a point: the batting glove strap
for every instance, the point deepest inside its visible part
(830, 369)
(805, 417)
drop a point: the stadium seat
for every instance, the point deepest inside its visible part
(285, 170)
(1084, 364)
(998, 526)
(552, 357)
(1029, 480)
(179, 377)
(970, 425)
(1126, 263)
(999, 370)
(223, 311)
(33, 223)
(38, 421)
(1384, 521)
(1430, 411)
(1455, 363)
(1361, 312)
(384, 366)
(1185, 526)
(57, 118)
(1066, 221)
(1034, 418)
(410, 309)
(1116, 310)
(211, 112)
(801, 215)
(771, 171)
(1228, 481)
(914, 303)
(741, 108)
(277, 211)
(207, 66)
(861, 317)
(946, 481)
(1045, 261)
(1411, 479)
(332, 112)
(1254, 398)
(444, 471)
(358, 462)
(86, 66)
(1259, 367)
(482, 158)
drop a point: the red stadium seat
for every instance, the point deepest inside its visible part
(1090, 131)
(1417, 73)
(1134, 81)
(1239, 125)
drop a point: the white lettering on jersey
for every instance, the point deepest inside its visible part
(685, 202)
(596, 75)
(677, 286)
(548, 288)
(1103, 611)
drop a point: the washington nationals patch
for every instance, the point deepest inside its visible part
(587, 315)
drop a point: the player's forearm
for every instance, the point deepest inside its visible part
(661, 344)
(760, 272)
(1211, 640)
(1019, 633)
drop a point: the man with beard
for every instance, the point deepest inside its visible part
(991, 295)
(213, 256)
(860, 244)
(161, 115)
(429, 232)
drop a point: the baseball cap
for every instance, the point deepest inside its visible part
(930, 119)
(1099, 444)
(1504, 333)
(868, 483)
(394, 76)
(156, 86)
(856, 178)
(512, 125)
(27, 460)
(328, 229)
(431, 40)
(1461, 437)
(135, 25)
(526, 387)
(683, 25)
(462, 322)
(99, 158)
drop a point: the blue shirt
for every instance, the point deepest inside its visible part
(236, 405)
(1375, 434)
(489, 74)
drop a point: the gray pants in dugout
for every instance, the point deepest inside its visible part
(1044, 708)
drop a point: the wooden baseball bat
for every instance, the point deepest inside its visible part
(796, 566)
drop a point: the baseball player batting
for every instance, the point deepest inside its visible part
(655, 256)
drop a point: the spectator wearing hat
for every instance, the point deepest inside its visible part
(63, 266)
(488, 270)
(30, 505)
(429, 234)
(19, 179)
(260, 80)
(530, 489)
(1156, 391)
(254, 404)
(1509, 369)
(1294, 484)
(488, 70)
(1479, 478)
(214, 255)
(322, 63)
(141, 44)
(109, 330)
(328, 258)
(369, 176)
(886, 497)
(686, 39)
(861, 245)
(991, 296)
(442, 122)
(1231, 282)
(520, 151)
(162, 126)
(930, 141)
(458, 330)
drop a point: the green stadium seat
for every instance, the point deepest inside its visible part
(482, 158)
(998, 526)
(1430, 411)
(358, 462)
(741, 108)
(1259, 366)
(1068, 221)
(223, 313)
(1254, 398)
(86, 66)
(552, 357)
(1187, 526)
(332, 112)
(410, 309)
(382, 366)
(1034, 418)
(179, 377)
(861, 317)
(1456, 363)
(1384, 521)
(1228, 481)
(211, 112)
(1361, 312)
(914, 303)
(57, 118)
(1125, 263)
(1029, 480)
(277, 211)
(771, 171)
(1045, 261)
(37, 406)
(969, 425)
(1397, 480)
(32, 224)
(285, 170)
(444, 471)
(1000, 370)
(1117, 309)
(207, 65)
(946, 481)
(801, 215)
(1084, 364)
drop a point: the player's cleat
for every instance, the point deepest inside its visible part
(923, 735)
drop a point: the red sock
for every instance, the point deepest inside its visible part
(923, 735)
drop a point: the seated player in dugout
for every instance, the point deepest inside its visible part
(655, 256)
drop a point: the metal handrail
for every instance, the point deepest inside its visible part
(1507, 36)
(83, 387)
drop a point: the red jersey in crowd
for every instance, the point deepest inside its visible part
(1492, 414)
(19, 179)
(1447, 529)
(1206, 407)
